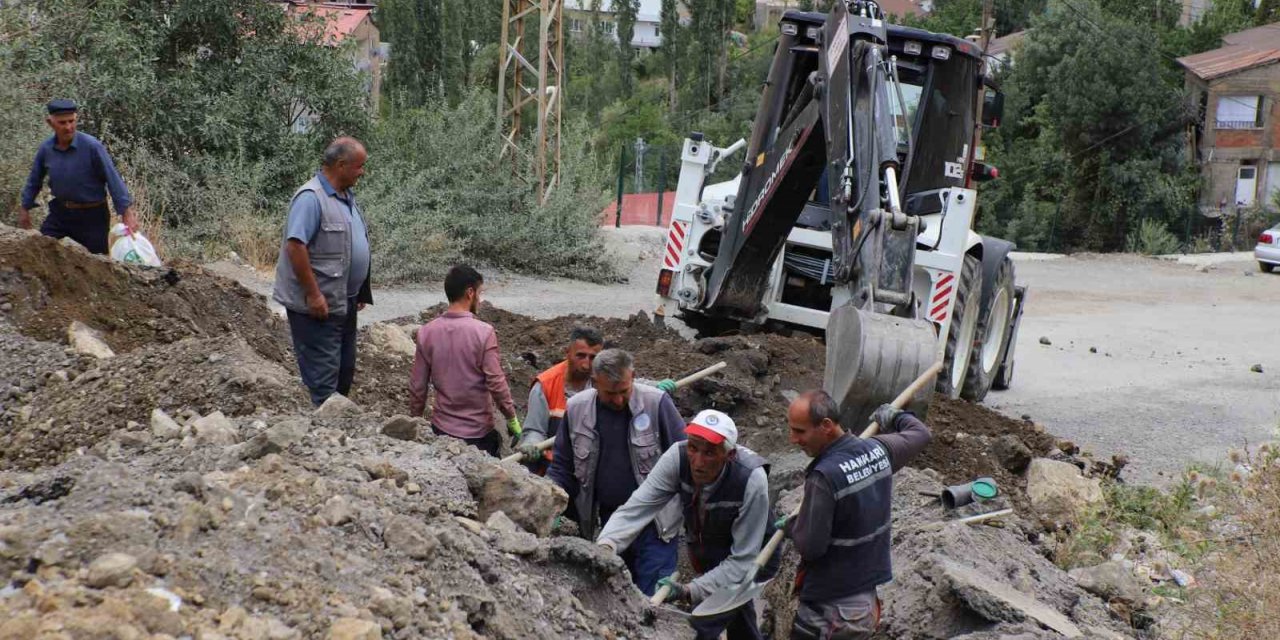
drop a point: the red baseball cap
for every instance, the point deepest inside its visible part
(714, 427)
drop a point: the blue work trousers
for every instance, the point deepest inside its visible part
(326, 351)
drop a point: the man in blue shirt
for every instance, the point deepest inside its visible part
(322, 274)
(80, 174)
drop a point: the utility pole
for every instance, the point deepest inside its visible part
(641, 147)
(986, 33)
(519, 93)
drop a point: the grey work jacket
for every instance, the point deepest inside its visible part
(330, 255)
(645, 446)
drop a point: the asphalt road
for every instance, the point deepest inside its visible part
(1170, 384)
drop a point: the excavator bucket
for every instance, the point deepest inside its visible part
(872, 357)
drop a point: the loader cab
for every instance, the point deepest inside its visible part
(940, 78)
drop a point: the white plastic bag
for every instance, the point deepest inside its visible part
(133, 249)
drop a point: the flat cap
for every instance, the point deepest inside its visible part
(61, 105)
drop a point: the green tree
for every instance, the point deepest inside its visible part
(1091, 144)
(626, 29)
(1268, 11)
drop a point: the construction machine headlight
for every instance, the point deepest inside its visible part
(941, 53)
(812, 33)
(790, 29)
(912, 48)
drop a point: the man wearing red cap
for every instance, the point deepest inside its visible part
(724, 490)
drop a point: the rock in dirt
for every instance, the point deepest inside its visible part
(1257, 368)
(391, 339)
(409, 537)
(215, 428)
(1044, 340)
(1058, 493)
(1012, 453)
(354, 629)
(85, 340)
(1111, 579)
(337, 511)
(164, 427)
(402, 427)
(998, 602)
(111, 570)
(337, 406)
(530, 501)
(275, 439)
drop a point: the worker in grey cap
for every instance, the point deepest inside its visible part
(80, 173)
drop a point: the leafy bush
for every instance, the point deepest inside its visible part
(439, 189)
(1151, 238)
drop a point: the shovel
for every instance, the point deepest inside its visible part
(687, 380)
(731, 598)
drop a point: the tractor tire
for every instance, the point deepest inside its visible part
(1004, 377)
(989, 342)
(963, 330)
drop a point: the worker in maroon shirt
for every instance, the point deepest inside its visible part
(457, 354)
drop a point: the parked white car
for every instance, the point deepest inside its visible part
(1267, 253)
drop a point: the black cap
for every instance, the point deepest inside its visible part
(61, 105)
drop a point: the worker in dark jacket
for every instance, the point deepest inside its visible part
(80, 173)
(842, 530)
(724, 489)
(612, 436)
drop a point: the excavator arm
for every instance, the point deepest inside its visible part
(835, 119)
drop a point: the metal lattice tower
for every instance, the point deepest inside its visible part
(517, 93)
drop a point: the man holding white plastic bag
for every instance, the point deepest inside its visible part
(80, 174)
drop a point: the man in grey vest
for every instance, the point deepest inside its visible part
(322, 275)
(612, 436)
(842, 531)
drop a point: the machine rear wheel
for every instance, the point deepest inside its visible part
(964, 327)
(993, 330)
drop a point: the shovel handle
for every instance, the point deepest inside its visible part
(547, 444)
(692, 378)
(661, 594)
(907, 394)
(899, 402)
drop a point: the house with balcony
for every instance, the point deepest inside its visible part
(647, 34)
(1236, 139)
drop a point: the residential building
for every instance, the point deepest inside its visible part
(342, 23)
(647, 33)
(769, 12)
(1237, 138)
(1000, 51)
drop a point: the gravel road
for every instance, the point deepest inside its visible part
(1170, 383)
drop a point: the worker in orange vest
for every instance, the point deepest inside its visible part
(550, 392)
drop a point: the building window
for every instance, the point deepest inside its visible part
(606, 27)
(575, 25)
(1239, 112)
(657, 31)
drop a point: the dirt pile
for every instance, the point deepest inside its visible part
(185, 487)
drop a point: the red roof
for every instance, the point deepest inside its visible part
(902, 8)
(339, 21)
(1228, 60)
(1264, 37)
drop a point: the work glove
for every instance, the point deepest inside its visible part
(513, 426)
(887, 417)
(679, 590)
(781, 522)
(668, 385)
(529, 449)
